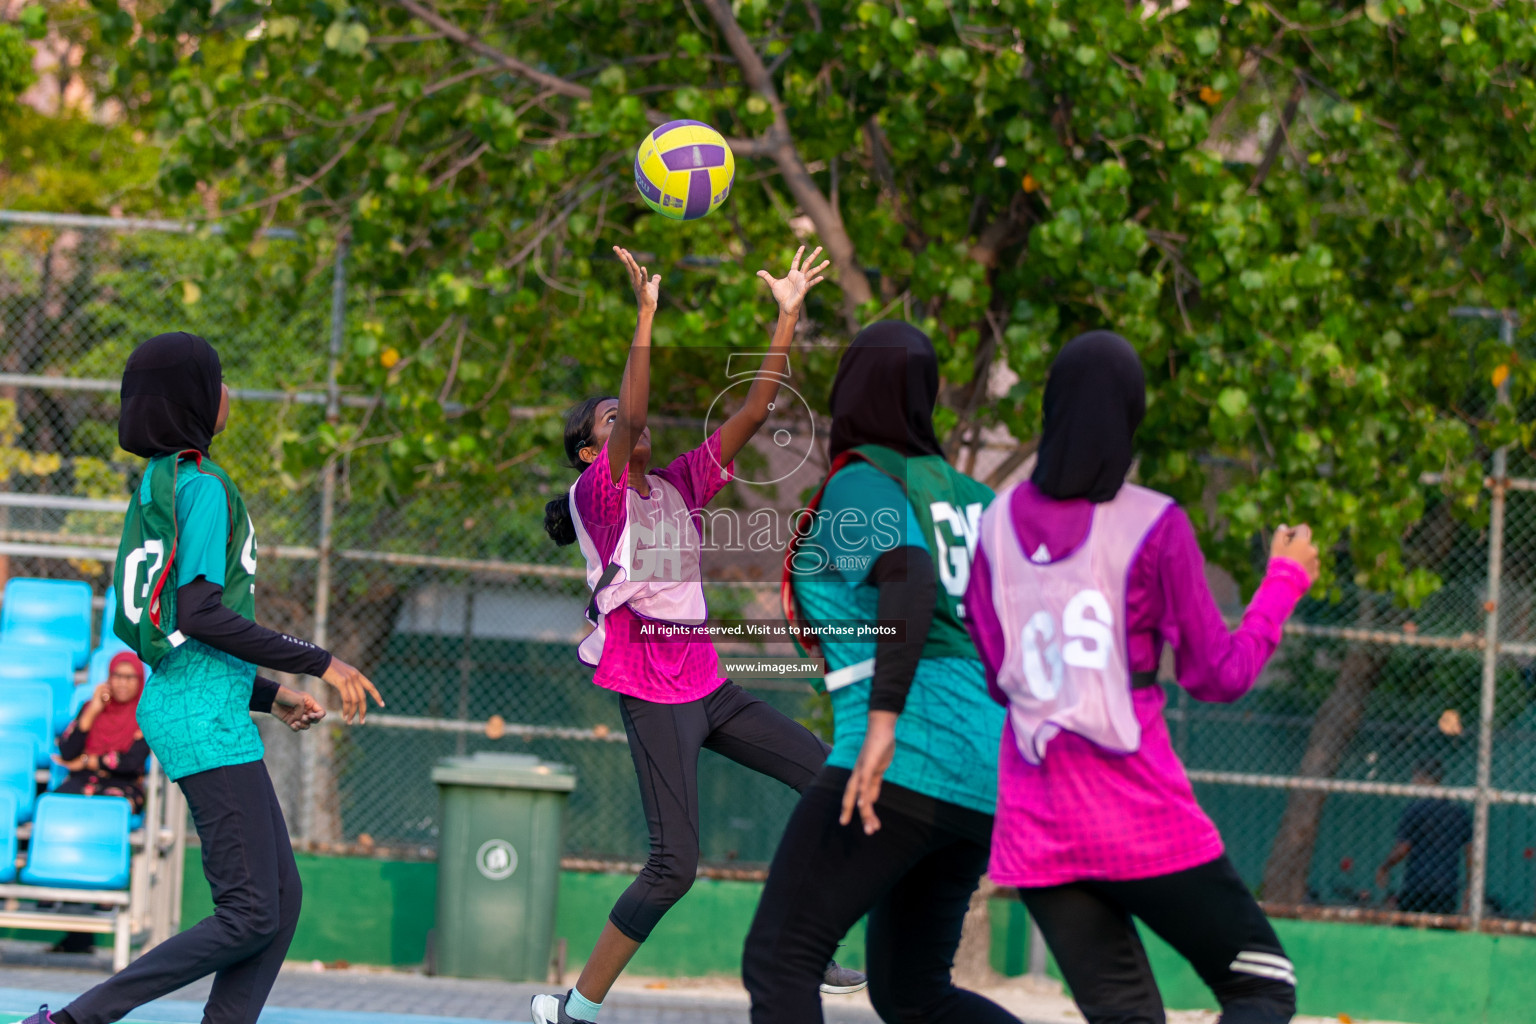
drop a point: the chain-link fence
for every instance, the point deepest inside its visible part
(1385, 767)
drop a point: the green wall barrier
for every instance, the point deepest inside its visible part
(379, 912)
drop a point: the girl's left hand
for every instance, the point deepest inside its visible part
(647, 286)
(869, 771)
(297, 710)
(790, 289)
(73, 765)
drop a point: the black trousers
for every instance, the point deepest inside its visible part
(1206, 913)
(665, 740)
(256, 897)
(913, 879)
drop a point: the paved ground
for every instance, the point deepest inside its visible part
(306, 995)
(28, 977)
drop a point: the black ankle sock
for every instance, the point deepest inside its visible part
(62, 1017)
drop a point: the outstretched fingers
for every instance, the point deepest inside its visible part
(637, 276)
(815, 277)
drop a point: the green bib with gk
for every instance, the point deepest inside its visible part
(186, 520)
(146, 559)
(948, 505)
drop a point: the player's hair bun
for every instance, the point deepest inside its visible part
(557, 521)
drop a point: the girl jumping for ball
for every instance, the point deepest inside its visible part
(1079, 581)
(637, 531)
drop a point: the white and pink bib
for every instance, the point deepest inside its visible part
(657, 563)
(1065, 661)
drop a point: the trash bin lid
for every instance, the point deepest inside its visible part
(504, 771)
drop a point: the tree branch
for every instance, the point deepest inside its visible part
(450, 31)
(828, 222)
(1277, 139)
(551, 83)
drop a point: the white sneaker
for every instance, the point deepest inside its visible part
(551, 1010)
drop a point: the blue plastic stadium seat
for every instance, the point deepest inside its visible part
(26, 709)
(80, 698)
(18, 777)
(7, 836)
(48, 665)
(108, 609)
(79, 842)
(48, 612)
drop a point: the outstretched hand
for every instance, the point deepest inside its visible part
(647, 288)
(355, 689)
(790, 289)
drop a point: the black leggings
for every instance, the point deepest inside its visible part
(665, 740)
(1206, 914)
(256, 897)
(913, 879)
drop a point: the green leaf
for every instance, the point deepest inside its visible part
(1232, 401)
(347, 38)
(34, 21)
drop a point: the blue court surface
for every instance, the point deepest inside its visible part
(304, 996)
(18, 1003)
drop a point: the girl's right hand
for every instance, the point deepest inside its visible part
(647, 288)
(355, 689)
(1295, 543)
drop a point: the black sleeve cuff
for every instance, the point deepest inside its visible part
(263, 694)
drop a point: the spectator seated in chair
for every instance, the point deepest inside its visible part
(103, 748)
(106, 753)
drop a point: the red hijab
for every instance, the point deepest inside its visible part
(117, 726)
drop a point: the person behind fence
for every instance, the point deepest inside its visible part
(1435, 837)
(898, 824)
(186, 582)
(637, 531)
(105, 753)
(1079, 582)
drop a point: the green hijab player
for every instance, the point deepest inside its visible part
(186, 584)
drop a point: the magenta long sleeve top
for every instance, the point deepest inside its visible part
(1086, 813)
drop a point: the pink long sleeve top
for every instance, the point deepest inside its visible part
(1085, 813)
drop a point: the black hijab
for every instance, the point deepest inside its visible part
(1095, 398)
(170, 396)
(884, 391)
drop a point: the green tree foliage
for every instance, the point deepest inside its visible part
(1276, 202)
(15, 67)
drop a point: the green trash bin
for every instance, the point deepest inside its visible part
(498, 865)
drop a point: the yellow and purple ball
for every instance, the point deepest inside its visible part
(684, 169)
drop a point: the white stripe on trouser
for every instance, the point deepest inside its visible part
(1264, 965)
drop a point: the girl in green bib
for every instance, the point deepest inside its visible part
(186, 583)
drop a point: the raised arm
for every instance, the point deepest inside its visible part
(1213, 662)
(635, 391)
(790, 291)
